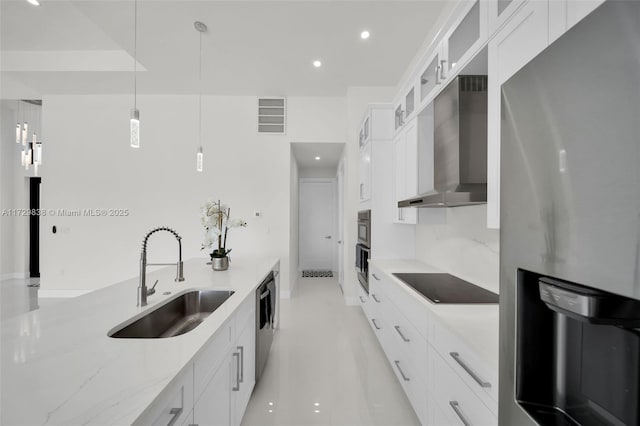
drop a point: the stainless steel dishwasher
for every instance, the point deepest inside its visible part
(265, 321)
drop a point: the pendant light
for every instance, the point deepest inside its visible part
(134, 124)
(201, 28)
(31, 154)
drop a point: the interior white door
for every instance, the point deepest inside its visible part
(316, 217)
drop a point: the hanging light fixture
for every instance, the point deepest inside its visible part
(31, 155)
(201, 28)
(134, 123)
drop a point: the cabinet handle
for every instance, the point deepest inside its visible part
(482, 383)
(375, 298)
(362, 299)
(442, 62)
(406, 379)
(237, 386)
(458, 411)
(375, 324)
(437, 74)
(397, 327)
(176, 413)
(241, 349)
(361, 190)
(377, 279)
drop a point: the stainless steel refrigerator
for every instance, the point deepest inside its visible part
(570, 228)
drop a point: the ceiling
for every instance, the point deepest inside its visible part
(306, 153)
(252, 47)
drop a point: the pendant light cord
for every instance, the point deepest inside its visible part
(200, 95)
(135, 53)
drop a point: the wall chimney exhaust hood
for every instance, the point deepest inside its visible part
(460, 146)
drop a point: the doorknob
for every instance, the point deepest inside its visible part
(328, 237)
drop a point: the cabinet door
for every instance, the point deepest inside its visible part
(247, 374)
(432, 76)
(519, 41)
(365, 172)
(214, 406)
(398, 175)
(465, 37)
(500, 11)
(410, 214)
(564, 14)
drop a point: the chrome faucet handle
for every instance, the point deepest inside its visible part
(152, 290)
(180, 272)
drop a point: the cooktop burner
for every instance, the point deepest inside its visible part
(445, 288)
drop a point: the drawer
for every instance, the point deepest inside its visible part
(456, 398)
(478, 376)
(413, 309)
(214, 352)
(174, 404)
(363, 300)
(406, 338)
(246, 310)
(413, 383)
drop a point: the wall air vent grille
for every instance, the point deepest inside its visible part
(473, 83)
(271, 115)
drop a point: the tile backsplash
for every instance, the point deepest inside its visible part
(463, 246)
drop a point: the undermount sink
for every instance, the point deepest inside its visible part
(175, 317)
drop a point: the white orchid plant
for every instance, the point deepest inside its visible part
(216, 222)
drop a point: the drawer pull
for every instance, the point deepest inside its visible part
(406, 379)
(375, 298)
(397, 327)
(374, 276)
(236, 388)
(458, 411)
(361, 299)
(241, 349)
(375, 324)
(176, 413)
(482, 383)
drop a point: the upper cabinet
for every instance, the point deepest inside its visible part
(376, 126)
(433, 75)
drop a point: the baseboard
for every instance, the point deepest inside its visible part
(53, 294)
(14, 276)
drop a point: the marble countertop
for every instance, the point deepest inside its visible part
(60, 367)
(476, 325)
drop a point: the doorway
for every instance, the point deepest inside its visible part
(317, 216)
(34, 227)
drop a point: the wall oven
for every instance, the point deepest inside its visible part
(364, 228)
(362, 265)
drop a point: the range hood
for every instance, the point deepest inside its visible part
(460, 146)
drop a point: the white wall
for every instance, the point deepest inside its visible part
(463, 246)
(357, 100)
(293, 225)
(90, 165)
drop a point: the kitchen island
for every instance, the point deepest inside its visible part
(59, 366)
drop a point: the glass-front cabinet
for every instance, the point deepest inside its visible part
(432, 76)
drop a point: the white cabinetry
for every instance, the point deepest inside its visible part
(174, 405)
(405, 171)
(214, 405)
(519, 41)
(466, 36)
(215, 388)
(365, 172)
(445, 381)
(564, 14)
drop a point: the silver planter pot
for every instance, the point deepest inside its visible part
(220, 263)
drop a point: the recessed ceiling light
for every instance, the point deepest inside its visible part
(364, 35)
(317, 63)
(317, 158)
(34, 2)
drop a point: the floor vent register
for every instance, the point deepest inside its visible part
(317, 274)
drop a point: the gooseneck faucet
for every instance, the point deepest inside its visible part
(142, 286)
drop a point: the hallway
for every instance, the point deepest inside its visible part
(326, 367)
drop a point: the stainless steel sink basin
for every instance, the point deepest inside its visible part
(177, 316)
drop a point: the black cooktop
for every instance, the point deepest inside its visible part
(445, 288)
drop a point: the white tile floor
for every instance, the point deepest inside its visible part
(326, 367)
